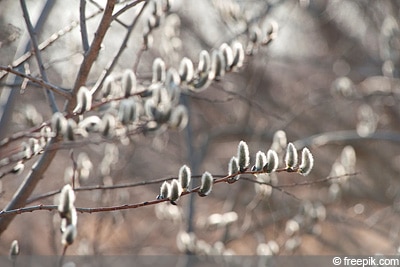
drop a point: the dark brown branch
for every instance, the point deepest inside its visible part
(92, 54)
(115, 59)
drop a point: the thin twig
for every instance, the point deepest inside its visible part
(38, 81)
(82, 23)
(49, 41)
(38, 55)
(224, 179)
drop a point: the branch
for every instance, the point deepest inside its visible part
(345, 136)
(38, 55)
(115, 59)
(40, 82)
(92, 54)
(28, 185)
(49, 41)
(82, 22)
(220, 179)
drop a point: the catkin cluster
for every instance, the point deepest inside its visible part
(69, 218)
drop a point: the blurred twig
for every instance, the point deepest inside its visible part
(38, 55)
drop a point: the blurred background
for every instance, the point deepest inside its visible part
(329, 80)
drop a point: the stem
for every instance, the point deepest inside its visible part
(38, 55)
(92, 53)
(82, 21)
(43, 83)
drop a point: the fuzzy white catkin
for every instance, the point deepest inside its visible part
(217, 65)
(261, 160)
(186, 71)
(184, 177)
(128, 82)
(69, 235)
(58, 123)
(159, 70)
(164, 190)
(83, 100)
(204, 62)
(243, 156)
(206, 184)
(67, 199)
(14, 250)
(175, 191)
(233, 168)
(227, 53)
(291, 157)
(272, 161)
(307, 162)
(238, 55)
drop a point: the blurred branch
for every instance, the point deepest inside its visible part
(82, 22)
(344, 136)
(38, 55)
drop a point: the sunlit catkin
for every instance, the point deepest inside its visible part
(184, 177)
(217, 66)
(233, 168)
(261, 160)
(307, 162)
(206, 184)
(243, 156)
(272, 161)
(67, 199)
(204, 62)
(128, 82)
(164, 190)
(186, 71)
(175, 191)
(227, 53)
(291, 157)
(83, 100)
(238, 55)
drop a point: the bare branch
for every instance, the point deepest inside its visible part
(38, 56)
(28, 185)
(82, 21)
(220, 179)
(40, 82)
(92, 53)
(115, 59)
